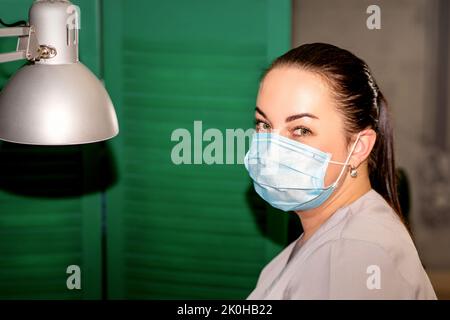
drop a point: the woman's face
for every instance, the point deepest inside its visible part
(299, 105)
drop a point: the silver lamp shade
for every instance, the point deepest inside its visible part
(57, 100)
(56, 105)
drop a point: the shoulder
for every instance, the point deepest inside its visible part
(372, 219)
(373, 224)
(361, 269)
(373, 255)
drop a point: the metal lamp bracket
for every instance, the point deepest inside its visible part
(27, 45)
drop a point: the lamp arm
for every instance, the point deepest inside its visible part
(27, 45)
(14, 31)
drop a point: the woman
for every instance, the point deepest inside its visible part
(324, 148)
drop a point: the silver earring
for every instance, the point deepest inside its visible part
(353, 172)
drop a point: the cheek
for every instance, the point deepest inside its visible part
(333, 170)
(332, 174)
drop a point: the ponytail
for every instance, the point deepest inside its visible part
(382, 170)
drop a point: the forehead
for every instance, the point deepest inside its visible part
(290, 89)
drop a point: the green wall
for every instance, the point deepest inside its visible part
(167, 231)
(50, 202)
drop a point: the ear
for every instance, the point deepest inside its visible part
(364, 146)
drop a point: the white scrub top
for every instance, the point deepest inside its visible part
(363, 251)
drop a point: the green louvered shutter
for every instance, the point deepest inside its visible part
(50, 200)
(187, 231)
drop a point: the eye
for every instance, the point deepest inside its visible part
(262, 126)
(301, 131)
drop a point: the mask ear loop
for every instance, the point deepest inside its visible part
(345, 164)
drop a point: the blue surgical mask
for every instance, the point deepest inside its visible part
(288, 174)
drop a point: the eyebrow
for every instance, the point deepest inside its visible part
(290, 118)
(260, 112)
(299, 116)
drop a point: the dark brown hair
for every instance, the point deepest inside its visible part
(361, 103)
